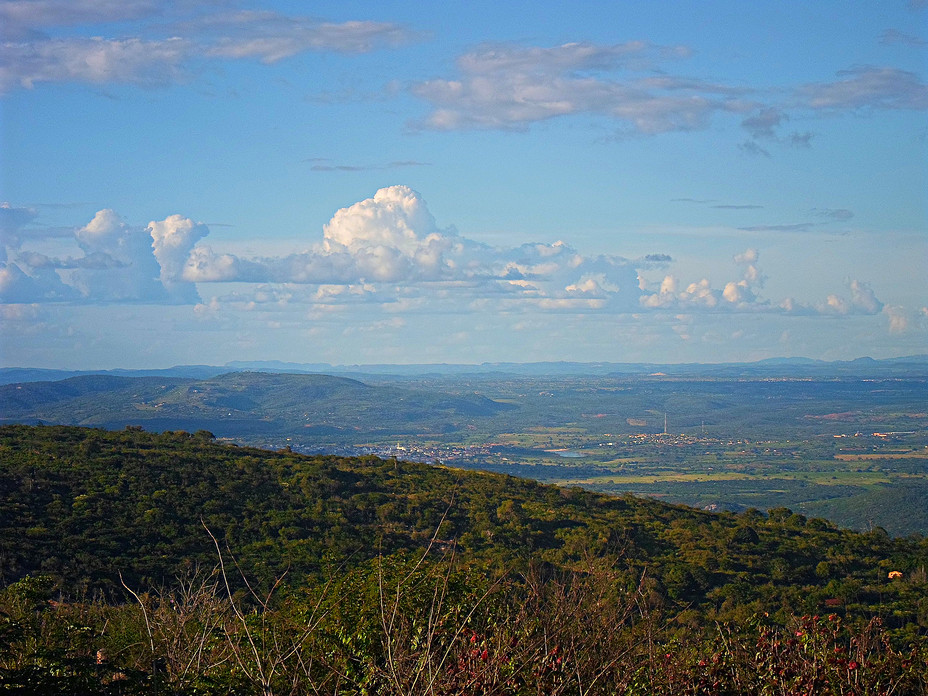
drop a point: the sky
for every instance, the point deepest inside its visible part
(461, 182)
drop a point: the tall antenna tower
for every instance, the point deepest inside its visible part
(665, 422)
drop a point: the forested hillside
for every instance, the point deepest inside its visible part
(129, 517)
(242, 404)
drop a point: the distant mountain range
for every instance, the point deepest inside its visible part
(773, 367)
(384, 403)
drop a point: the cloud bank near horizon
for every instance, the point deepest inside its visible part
(387, 250)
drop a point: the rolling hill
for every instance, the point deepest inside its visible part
(242, 403)
(361, 575)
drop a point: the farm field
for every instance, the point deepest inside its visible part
(854, 451)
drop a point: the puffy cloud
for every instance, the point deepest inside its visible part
(695, 296)
(116, 262)
(207, 310)
(385, 251)
(747, 256)
(862, 301)
(752, 276)
(508, 86)
(390, 234)
(44, 285)
(743, 295)
(127, 270)
(105, 231)
(391, 239)
(700, 294)
(735, 295)
(205, 266)
(172, 241)
(837, 305)
(595, 284)
(12, 220)
(898, 319)
(19, 312)
(738, 293)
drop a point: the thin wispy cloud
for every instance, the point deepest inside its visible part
(511, 86)
(325, 165)
(339, 168)
(795, 227)
(801, 140)
(840, 214)
(163, 53)
(269, 36)
(892, 37)
(867, 87)
(24, 19)
(752, 148)
(712, 203)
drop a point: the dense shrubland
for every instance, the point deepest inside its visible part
(428, 627)
(140, 563)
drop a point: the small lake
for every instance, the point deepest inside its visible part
(570, 454)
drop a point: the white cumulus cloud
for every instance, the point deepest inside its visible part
(111, 261)
(392, 235)
(898, 319)
(12, 220)
(386, 251)
(128, 270)
(392, 240)
(172, 241)
(43, 285)
(744, 295)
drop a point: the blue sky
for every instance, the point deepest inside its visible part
(412, 182)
